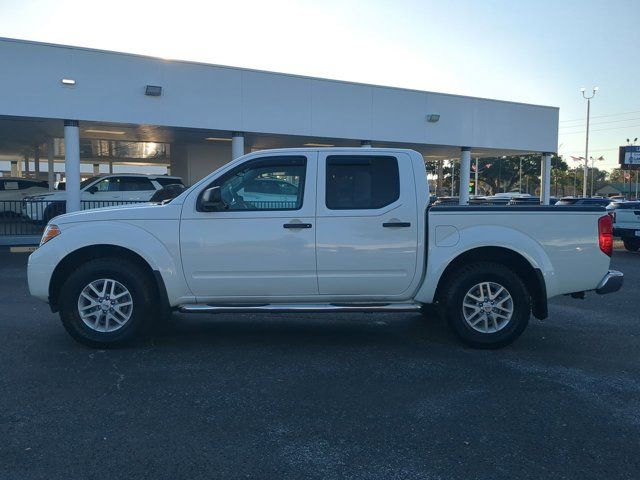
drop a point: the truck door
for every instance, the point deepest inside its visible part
(255, 246)
(367, 229)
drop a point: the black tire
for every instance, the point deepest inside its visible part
(143, 292)
(631, 244)
(53, 211)
(462, 280)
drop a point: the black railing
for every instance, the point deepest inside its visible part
(28, 217)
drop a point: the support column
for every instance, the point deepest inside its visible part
(440, 177)
(72, 164)
(545, 179)
(14, 168)
(237, 145)
(36, 162)
(365, 143)
(51, 173)
(110, 167)
(465, 174)
(96, 169)
(26, 165)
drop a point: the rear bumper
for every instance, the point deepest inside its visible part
(612, 282)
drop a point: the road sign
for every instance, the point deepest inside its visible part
(629, 157)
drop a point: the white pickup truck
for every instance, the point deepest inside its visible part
(626, 223)
(356, 235)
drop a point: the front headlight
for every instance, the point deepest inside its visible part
(50, 232)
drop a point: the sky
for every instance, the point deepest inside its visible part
(538, 52)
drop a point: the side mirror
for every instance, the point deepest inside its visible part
(212, 199)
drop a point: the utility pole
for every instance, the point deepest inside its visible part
(586, 146)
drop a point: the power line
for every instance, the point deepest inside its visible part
(601, 129)
(602, 123)
(593, 150)
(600, 116)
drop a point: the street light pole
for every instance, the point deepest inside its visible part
(586, 147)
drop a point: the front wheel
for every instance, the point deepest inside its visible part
(108, 302)
(487, 305)
(631, 244)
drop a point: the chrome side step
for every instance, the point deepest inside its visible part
(299, 307)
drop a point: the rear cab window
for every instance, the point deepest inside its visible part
(361, 182)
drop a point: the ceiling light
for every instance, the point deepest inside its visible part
(110, 132)
(433, 117)
(68, 81)
(318, 145)
(217, 139)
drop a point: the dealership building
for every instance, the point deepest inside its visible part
(82, 111)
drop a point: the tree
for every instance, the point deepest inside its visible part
(503, 174)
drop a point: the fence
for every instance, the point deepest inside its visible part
(26, 218)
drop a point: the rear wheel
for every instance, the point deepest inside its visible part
(108, 302)
(486, 304)
(631, 244)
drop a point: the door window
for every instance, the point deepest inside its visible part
(272, 183)
(135, 184)
(361, 182)
(111, 184)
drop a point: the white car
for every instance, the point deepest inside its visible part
(626, 223)
(14, 190)
(359, 236)
(99, 191)
(268, 189)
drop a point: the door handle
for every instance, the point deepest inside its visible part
(396, 224)
(297, 225)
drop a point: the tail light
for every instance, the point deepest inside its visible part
(605, 234)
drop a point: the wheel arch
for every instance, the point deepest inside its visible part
(531, 276)
(82, 255)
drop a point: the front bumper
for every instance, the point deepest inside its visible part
(612, 282)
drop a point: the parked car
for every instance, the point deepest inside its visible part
(530, 200)
(98, 191)
(626, 223)
(13, 190)
(355, 239)
(577, 201)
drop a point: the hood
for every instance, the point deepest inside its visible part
(46, 195)
(132, 212)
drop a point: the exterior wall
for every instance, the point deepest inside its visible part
(110, 88)
(195, 161)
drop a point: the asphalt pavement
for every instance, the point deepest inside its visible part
(349, 396)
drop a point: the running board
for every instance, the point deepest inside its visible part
(299, 307)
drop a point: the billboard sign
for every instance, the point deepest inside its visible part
(629, 157)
